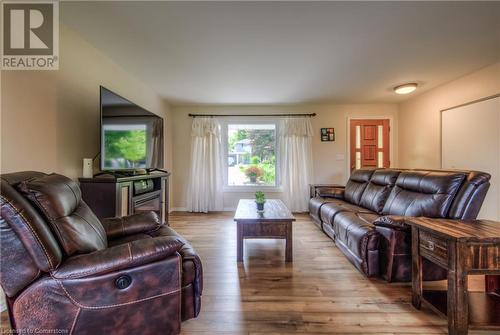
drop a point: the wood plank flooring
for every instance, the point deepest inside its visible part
(319, 293)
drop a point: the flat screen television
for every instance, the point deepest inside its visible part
(131, 137)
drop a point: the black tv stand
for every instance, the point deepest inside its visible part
(122, 174)
(116, 194)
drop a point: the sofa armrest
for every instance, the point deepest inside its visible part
(395, 251)
(119, 257)
(330, 192)
(132, 224)
(393, 221)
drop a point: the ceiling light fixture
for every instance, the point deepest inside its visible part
(405, 88)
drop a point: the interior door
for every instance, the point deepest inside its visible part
(370, 143)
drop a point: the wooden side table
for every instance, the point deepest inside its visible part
(463, 248)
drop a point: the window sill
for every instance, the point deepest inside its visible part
(248, 188)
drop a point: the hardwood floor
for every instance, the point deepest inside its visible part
(319, 293)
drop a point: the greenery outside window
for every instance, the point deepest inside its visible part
(125, 146)
(251, 155)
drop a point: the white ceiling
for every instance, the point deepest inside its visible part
(290, 52)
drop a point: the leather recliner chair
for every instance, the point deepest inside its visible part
(62, 269)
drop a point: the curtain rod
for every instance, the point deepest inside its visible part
(246, 115)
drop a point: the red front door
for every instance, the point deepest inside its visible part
(369, 143)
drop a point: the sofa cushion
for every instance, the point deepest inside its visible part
(378, 189)
(423, 193)
(356, 185)
(59, 199)
(329, 210)
(315, 205)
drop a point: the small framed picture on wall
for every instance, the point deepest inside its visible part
(327, 134)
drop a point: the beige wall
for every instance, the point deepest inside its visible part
(420, 120)
(328, 166)
(50, 119)
(28, 120)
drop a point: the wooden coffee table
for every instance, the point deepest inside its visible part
(275, 222)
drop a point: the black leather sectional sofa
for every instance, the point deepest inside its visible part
(366, 217)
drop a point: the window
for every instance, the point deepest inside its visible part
(251, 154)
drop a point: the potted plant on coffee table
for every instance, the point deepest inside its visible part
(260, 200)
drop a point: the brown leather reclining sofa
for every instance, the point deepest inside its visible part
(365, 218)
(64, 270)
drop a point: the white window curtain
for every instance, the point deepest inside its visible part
(295, 142)
(204, 192)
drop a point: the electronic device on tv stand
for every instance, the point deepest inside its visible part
(129, 173)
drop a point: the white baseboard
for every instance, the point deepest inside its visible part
(178, 209)
(183, 209)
